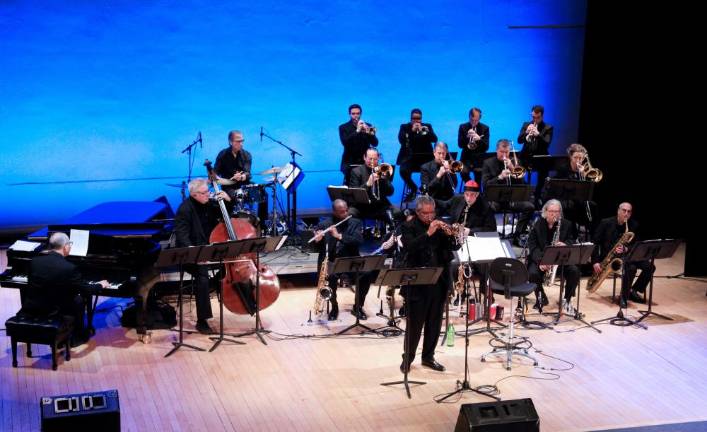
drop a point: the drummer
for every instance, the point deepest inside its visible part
(233, 166)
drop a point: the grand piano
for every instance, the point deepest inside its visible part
(125, 238)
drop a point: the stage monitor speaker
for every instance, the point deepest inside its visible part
(96, 411)
(504, 416)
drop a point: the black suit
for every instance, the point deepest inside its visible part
(491, 170)
(437, 188)
(572, 209)
(193, 224)
(473, 159)
(55, 287)
(351, 239)
(380, 208)
(538, 145)
(608, 232)
(540, 237)
(424, 303)
(415, 150)
(355, 146)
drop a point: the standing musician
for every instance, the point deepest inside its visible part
(473, 139)
(426, 245)
(415, 140)
(545, 233)
(471, 210)
(497, 171)
(579, 212)
(342, 241)
(379, 186)
(536, 136)
(356, 136)
(437, 175)
(233, 163)
(606, 236)
(55, 287)
(193, 223)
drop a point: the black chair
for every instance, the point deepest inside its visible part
(510, 277)
(54, 331)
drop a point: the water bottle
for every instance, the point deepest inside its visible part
(450, 335)
(472, 309)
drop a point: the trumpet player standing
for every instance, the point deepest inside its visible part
(473, 139)
(438, 176)
(606, 236)
(415, 140)
(536, 136)
(356, 136)
(549, 230)
(498, 171)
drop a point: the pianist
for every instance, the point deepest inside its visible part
(55, 287)
(195, 219)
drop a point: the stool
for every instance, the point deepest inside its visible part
(54, 331)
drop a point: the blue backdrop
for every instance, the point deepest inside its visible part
(97, 99)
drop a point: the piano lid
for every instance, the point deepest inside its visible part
(116, 219)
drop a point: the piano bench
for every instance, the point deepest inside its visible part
(54, 331)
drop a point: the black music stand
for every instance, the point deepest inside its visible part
(546, 163)
(652, 250)
(357, 265)
(219, 253)
(256, 246)
(353, 196)
(179, 257)
(568, 255)
(408, 277)
(506, 194)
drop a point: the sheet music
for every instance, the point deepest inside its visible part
(79, 238)
(25, 246)
(482, 249)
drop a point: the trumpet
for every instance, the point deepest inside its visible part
(531, 131)
(472, 144)
(588, 172)
(368, 128)
(422, 130)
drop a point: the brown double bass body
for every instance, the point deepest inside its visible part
(239, 282)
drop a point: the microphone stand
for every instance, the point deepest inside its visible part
(292, 217)
(188, 150)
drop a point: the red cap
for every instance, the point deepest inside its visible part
(472, 186)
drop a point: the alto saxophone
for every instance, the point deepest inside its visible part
(550, 274)
(610, 264)
(323, 289)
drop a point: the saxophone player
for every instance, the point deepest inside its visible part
(605, 237)
(551, 229)
(342, 241)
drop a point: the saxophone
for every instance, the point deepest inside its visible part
(610, 264)
(550, 274)
(323, 289)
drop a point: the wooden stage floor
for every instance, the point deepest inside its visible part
(624, 376)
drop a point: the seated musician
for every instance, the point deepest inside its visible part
(497, 171)
(574, 169)
(55, 287)
(436, 175)
(545, 233)
(342, 241)
(379, 187)
(193, 223)
(606, 236)
(471, 210)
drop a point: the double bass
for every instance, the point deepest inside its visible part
(238, 285)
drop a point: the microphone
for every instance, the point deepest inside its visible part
(261, 134)
(201, 143)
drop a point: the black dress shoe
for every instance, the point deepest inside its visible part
(432, 364)
(634, 297)
(623, 304)
(401, 312)
(203, 327)
(359, 313)
(333, 314)
(544, 299)
(403, 369)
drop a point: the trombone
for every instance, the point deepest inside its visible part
(588, 172)
(452, 167)
(382, 170)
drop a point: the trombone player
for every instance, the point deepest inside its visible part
(439, 176)
(377, 180)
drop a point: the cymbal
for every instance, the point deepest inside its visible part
(273, 170)
(270, 179)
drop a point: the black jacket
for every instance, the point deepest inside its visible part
(227, 165)
(480, 217)
(538, 239)
(482, 145)
(491, 170)
(53, 282)
(359, 177)
(351, 238)
(437, 188)
(539, 145)
(355, 144)
(606, 235)
(194, 221)
(415, 146)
